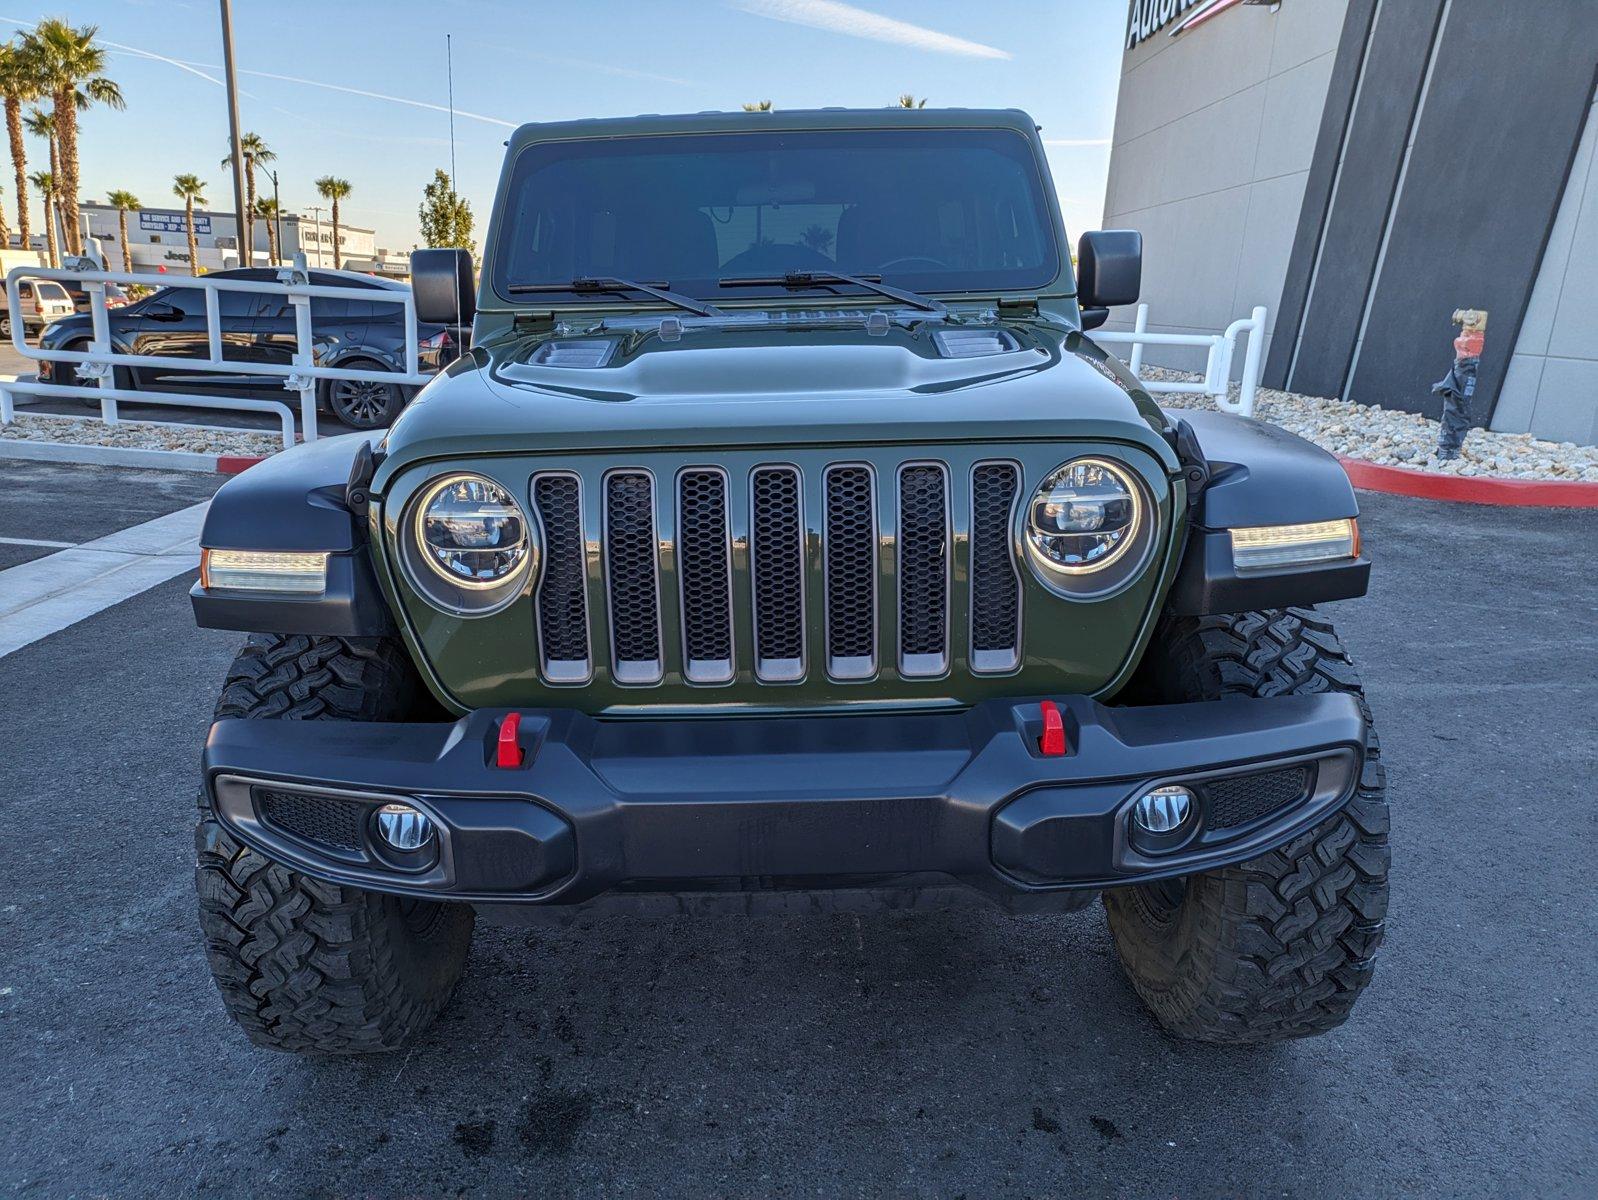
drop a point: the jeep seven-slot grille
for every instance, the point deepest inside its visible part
(777, 573)
(704, 572)
(995, 582)
(562, 589)
(892, 535)
(633, 577)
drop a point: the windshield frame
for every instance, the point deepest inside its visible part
(494, 289)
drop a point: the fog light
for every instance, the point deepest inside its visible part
(1163, 810)
(404, 828)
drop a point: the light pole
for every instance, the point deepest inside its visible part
(233, 128)
(318, 210)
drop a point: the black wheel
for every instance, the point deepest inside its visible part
(363, 404)
(1281, 946)
(304, 965)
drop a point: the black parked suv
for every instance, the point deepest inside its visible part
(259, 328)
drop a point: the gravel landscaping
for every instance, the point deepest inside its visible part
(140, 435)
(1401, 439)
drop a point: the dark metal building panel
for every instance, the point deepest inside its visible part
(1318, 188)
(1389, 93)
(1492, 153)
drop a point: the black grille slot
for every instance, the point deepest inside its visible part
(995, 582)
(1246, 798)
(562, 588)
(777, 570)
(851, 547)
(923, 569)
(632, 575)
(705, 573)
(327, 820)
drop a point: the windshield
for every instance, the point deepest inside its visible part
(939, 210)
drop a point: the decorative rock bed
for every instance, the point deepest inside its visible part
(1400, 439)
(140, 435)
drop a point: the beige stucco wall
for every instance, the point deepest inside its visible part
(1214, 133)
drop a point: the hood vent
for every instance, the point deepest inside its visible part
(974, 343)
(574, 352)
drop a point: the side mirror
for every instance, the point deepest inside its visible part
(1109, 268)
(443, 285)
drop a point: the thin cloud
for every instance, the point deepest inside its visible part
(837, 17)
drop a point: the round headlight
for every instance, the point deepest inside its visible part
(470, 531)
(1084, 517)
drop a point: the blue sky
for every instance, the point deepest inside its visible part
(536, 60)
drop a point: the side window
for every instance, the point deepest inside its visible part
(25, 290)
(326, 311)
(236, 306)
(189, 301)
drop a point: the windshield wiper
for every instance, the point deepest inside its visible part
(660, 290)
(811, 279)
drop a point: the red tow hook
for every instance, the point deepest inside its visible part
(1052, 743)
(509, 753)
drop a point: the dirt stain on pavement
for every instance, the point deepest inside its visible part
(552, 1120)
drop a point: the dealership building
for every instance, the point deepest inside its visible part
(1365, 168)
(159, 241)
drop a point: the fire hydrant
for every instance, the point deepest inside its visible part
(1458, 387)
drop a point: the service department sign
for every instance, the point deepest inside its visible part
(1148, 17)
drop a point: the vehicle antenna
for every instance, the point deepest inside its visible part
(449, 71)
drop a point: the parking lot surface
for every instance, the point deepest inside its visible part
(904, 1055)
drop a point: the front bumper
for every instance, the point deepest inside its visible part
(675, 806)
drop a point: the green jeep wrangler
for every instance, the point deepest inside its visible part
(785, 544)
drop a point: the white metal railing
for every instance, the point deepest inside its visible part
(1222, 349)
(98, 362)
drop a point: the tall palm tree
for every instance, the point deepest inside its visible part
(333, 189)
(5, 229)
(39, 123)
(906, 100)
(73, 72)
(191, 190)
(266, 208)
(124, 202)
(758, 106)
(255, 151)
(19, 85)
(45, 182)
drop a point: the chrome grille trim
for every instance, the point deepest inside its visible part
(632, 577)
(704, 575)
(849, 560)
(922, 549)
(777, 591)
(995, 574)
(561, 600)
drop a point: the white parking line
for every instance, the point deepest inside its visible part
(47, 595)
(46, 542)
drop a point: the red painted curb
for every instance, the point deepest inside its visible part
(233, 464)
(1469, 489)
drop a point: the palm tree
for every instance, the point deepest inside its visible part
(39, 123)
(73, 74)
(191, 190)
(255, 151)
(19, 85)
(758, 106)
(906, 100)
(267, 209)
(5, 230)
(333, 190)
(124, 202)
(45, 182)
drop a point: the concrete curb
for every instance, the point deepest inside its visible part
(125, 456)
(1470, 489)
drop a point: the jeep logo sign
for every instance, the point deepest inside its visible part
(1148, 17)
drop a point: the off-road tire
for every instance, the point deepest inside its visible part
(303, 965)
(1280, 946)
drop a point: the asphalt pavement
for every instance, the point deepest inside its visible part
(899, 1055)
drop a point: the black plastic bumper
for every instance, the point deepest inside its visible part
(676, 805)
